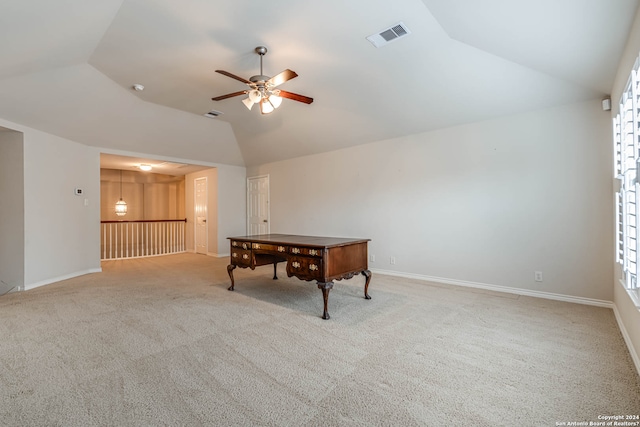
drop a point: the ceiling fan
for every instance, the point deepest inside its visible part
(263, 88)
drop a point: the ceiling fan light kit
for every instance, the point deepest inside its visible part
(266, 106)
(275, 99)
(255, 95)
(248, 103)
(263, 88)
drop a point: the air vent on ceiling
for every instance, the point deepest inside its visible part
(213, 114)
(389, 34)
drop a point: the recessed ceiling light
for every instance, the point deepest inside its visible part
(145, 168)
(138, 87)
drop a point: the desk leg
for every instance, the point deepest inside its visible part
(325, 288)
(275, 265)
(230, 268)
(367, 274)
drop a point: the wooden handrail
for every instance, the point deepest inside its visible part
(145, 220)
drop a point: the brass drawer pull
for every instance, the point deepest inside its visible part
(245, 256)
(244, 246)
(313, 252)
(281, 249)
(313, 267)
(295, 264)
(295, 250)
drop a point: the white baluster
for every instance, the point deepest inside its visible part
(117, 232)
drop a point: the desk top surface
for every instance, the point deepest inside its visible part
(292, 239)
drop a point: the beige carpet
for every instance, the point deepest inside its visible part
(160, 341)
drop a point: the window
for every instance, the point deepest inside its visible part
(626, 134)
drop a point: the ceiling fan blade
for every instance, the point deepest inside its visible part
(229, 95)
(233, 76)
(295, 97)
(278, 79)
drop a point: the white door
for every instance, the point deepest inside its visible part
(258, 205)
(200, 213)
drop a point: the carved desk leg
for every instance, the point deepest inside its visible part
(325, 288)
(367, 274)
(275, 265)
(230, 268)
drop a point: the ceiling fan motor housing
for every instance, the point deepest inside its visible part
(259, 78)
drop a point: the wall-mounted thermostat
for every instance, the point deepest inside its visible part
(78, 191)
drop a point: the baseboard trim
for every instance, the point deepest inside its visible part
(61, 278)
(211, 254)
(627, 339)
(526, 292)
(498, 288)
(217, 255)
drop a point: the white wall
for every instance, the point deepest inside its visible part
(227, 206)
(487, 203)
(61, 234)
(232, 205)
(11, 210)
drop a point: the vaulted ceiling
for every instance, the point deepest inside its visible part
(68, 68)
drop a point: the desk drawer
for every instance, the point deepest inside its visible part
(241, 257)
(304, 268)
(271, 248)
(298, 250)
(243, 245)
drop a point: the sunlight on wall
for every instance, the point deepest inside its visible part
(148, 196)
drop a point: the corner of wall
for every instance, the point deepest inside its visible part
(12, 243)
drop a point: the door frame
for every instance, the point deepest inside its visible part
(248, 225)
(195, 216)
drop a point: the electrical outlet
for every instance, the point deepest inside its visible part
(537, 276)
(392, 260)
(372, 258)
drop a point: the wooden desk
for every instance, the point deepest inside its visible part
(323, 259)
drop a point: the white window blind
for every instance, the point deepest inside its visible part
(619, 228)
(617, 139)
(626, 134)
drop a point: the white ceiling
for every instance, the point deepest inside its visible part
(114, 161)
(68, 68)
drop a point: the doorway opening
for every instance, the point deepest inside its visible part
(162, 216)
